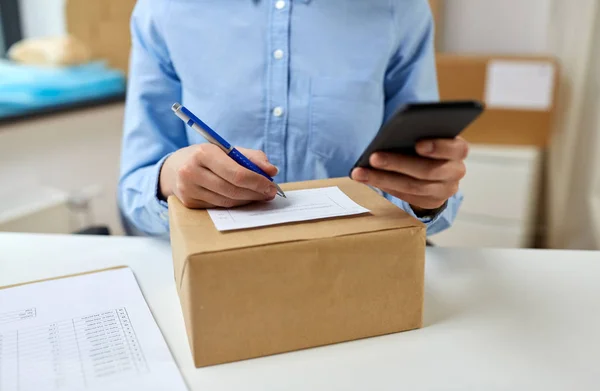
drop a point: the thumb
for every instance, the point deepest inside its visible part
(260, 159)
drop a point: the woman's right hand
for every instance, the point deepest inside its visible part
(203, 176)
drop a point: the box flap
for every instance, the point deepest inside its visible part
(199, 235)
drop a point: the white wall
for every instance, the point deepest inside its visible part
(496, 26)
(41, 18)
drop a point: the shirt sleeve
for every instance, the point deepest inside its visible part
(151, 131)
(411, 77)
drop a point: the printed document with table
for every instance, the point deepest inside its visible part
(87, 332)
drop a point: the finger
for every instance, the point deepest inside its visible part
(210, 181)
(191, 178)
(418, 167)
(201, 198)
(426, 201)
(213, 158)
(195, 204)
(261, 160)
(399, 183)
(450, 149)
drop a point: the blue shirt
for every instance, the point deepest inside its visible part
(309, 82)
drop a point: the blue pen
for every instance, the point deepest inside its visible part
(211, 136)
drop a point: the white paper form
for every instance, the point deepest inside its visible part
(525, 85)
(88, 332)
(300, 205)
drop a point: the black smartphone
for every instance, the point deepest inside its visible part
(418, 121)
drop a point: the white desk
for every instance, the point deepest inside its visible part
(495, 320)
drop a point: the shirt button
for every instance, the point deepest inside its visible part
(278, 54)
(278, 111)
(280, 4)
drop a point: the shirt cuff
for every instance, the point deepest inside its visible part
(434, 224)
(428, 220)
(156, 205)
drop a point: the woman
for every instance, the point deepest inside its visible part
(303, 85)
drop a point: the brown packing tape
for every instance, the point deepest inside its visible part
(66, 276)
(465, 76)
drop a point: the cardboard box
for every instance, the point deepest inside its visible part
(259, 292)
(437, 11)
(520, 103)
(435, 6)
(103, 25)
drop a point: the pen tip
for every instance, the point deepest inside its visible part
(280, 192)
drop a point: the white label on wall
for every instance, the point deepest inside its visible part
(524, 85)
